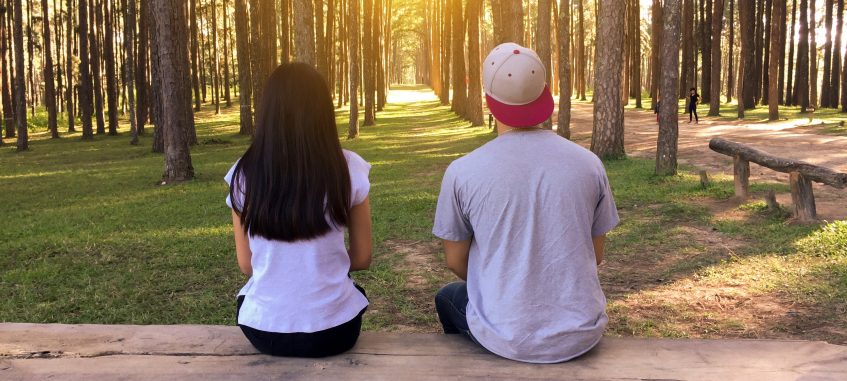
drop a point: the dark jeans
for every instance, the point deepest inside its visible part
(451, 302)
(692, 114)
(329, 342)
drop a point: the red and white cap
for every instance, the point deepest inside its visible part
(516, 91)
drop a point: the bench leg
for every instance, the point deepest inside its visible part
(741, 174)
(803, 198)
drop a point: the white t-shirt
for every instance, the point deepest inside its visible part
(303, 286)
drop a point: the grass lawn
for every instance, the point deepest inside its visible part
(89, 237)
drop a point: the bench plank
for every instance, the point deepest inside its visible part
(97, 352)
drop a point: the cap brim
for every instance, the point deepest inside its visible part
(528, 115)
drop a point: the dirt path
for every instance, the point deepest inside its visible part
(781, 138)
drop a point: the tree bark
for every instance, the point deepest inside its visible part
(827, 57)
(172, 65)
(813, 57)
(6, 71)
(580, 51)
(85, 87)
(789, 96)
(20, 78)
(111, 76)
(69, 89)
(607, 138)
(245, 82)
(129, 64)
(353, 51)
(508, 21)
(142, 84)
(801, 81)
(706, 51)
(778, 16)
(835, 78)
(49, 85)
(655, 47)
(542, 43)
(666, 146)
(563, 123)
(746, 12)
(368, 60)
(195, 52)
(765, 78)
(731, 48)
(460, 94)
(216, 72)
(446, 43)
(304, 27)
(474, 12)
(688, 51)
(95, 25)
(715, 84)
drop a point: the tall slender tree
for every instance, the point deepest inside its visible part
(109, 60)
(6, 72)
(731, 48)
(227, 52)
(171, 60)
(353, 51)
(813, 56)
(129, 65)
(304, 27)
(460, 94)
(706, 50)
(49, 85)
(717, 25)
(801, 80)
(195, 52)
(835, 78)
(474, 107)
(142, 84)
(666, 146)
(827, 56)
(563, 34)
(20, 78)
(776, 26)
(789, 96)
(607, 138)
(86, 105)
(746, 9)
(580, 51)
(542, 42)
(245, 82)
(94, 28)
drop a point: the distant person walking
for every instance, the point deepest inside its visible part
(693, 101)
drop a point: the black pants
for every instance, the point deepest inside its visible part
(329, 342)
(692, 114)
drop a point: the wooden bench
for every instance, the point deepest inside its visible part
(801, 175)
(193, 352)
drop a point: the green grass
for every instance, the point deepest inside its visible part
(89, 237)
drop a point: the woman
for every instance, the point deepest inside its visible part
(693, 101)
(292, 195)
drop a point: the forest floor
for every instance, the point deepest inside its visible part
(88, 236)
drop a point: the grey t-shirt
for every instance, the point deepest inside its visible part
(530, 202)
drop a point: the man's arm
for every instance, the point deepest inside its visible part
(599, 243)
(456, 255)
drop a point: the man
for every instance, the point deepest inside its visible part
(524, 219)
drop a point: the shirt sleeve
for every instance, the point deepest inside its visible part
(238, 192)
(451, 222)
(360, 184)
(605, 213)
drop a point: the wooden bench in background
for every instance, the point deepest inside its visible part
(194, 352)
(801, 175)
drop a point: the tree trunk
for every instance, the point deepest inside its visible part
(607, 138)
(49, 85)
(172, 65)
(368, 60)
(95, 25)
(85, 87)
(789, 96)
(563, 123)
(689, 60)
(460, 94)
(446, 29)
(715, 50)
(20, 78)
(655, 47)
(129, 46)
(826, 86)
(304, 27)
(353, 51)
(706, 51)
(111, 76)
(777, 18)
(580, 51)
(801, 81)
(666, 147)
(508, 21)
(835, 77)
(542, 43)
(69, 89)
(746, 12)
(6, 72)
(474, 12)
(245, 82)
(730, 71)
(764, 80)
(195, 52)
(142, 84)
(216, 72)
(758, 41)
(813, 57)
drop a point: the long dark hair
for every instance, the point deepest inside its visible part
(294, 174)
